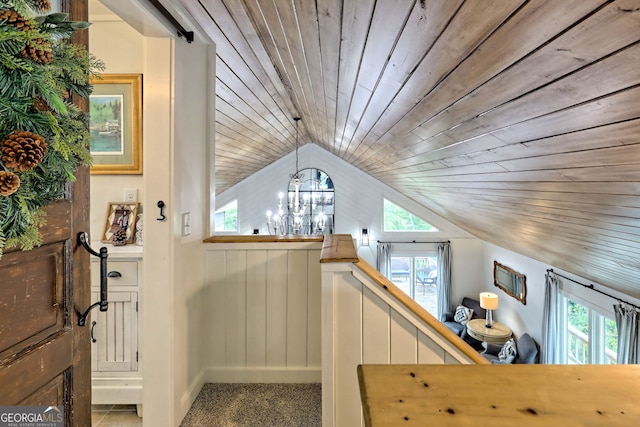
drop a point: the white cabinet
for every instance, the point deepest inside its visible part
(115, 334)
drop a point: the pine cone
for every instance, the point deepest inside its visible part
(42, 5)
(9, 183)
(14, 19)
(38, 50)
(119, 238)
(23, 150)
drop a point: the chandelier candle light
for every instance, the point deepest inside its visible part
(489, 301)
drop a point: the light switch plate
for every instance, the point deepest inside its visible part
(186, 223)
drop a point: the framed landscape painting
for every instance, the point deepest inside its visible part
(115, 124)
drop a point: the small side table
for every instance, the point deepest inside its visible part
(499, 334)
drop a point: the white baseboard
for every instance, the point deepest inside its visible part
(189, 396)
(109, 391)
(263, 375)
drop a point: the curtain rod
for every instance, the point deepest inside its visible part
(592, 287)
(188, 35)
(413, 241)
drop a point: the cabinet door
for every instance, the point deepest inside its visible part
(115, 333)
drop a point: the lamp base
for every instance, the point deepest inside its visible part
(489, 319)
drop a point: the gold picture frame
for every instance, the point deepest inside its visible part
(120, 216)
(510, 281)
(115, 108)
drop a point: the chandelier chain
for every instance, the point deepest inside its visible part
(295, 175)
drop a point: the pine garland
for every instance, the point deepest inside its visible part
(39, 73)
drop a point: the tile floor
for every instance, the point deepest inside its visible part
(115, 416)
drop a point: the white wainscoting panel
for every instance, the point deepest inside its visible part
(363, 324)
(265, 305)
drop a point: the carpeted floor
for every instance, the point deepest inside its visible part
(256, 405)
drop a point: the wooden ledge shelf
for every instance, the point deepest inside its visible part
(335, 247)
(500, 395)
(258, 238)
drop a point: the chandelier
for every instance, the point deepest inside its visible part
(297, 216)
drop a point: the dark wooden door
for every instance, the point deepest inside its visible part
(45, 358)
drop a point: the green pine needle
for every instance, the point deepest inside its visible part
(26, 87)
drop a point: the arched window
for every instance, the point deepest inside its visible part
(311, 203)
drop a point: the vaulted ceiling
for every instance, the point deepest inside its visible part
(517, 120)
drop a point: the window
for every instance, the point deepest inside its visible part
(317, 202)
(416, 274)
(399, 219)
(590, 336)
(227, 217)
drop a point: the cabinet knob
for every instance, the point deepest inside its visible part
(113, 274)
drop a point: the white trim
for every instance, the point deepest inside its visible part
(112, 391)
(590, 299)
(263, 375)
(191, 394)
(209, 219)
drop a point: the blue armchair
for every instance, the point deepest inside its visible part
(460, 329)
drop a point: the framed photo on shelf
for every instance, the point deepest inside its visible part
(115, 124)
(120, 225)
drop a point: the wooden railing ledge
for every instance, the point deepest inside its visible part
(261, 238)
(338, 248)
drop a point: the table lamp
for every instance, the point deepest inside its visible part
(489, 301)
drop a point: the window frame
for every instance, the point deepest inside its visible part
(215, 217)
(417, 250)
(596, 328)
(434, 229)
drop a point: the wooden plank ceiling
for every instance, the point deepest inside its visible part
(517, 120)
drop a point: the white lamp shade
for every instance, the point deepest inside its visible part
(488, 300)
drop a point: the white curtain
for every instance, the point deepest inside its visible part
(444, 279)
(551, 327)
(383, 261)
(628, 323)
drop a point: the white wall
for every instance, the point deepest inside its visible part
(193, 95)
(158, 309)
